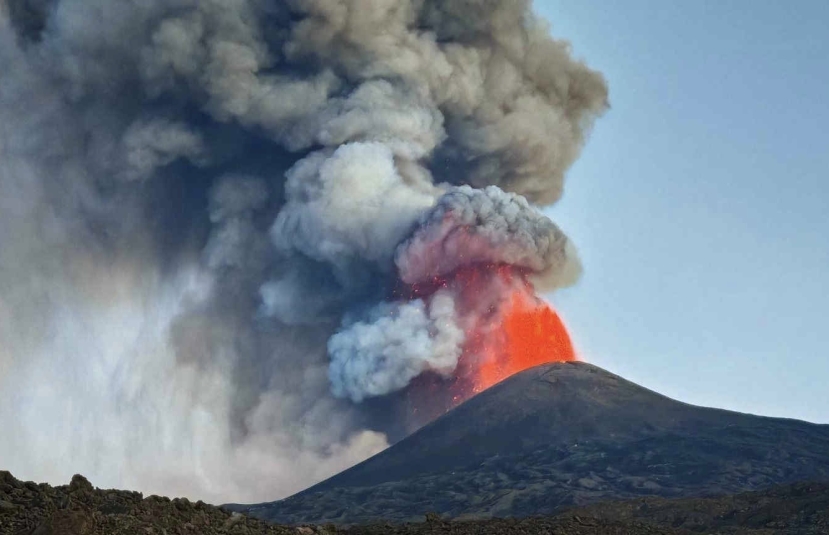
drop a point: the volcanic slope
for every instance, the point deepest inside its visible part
(557, 436)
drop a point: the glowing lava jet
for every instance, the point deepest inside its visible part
(508, 328)
(532, 334)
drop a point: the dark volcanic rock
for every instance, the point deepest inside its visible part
(559, 436)
(799, 508)
(84, 510)
(80, 509)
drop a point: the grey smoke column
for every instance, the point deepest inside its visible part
(196, 195)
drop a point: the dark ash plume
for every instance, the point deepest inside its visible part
(202, 206)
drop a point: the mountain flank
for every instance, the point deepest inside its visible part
(560, 436)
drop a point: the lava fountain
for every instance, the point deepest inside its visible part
(507, 327)
(532, 334)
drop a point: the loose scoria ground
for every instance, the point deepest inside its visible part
(28, 508)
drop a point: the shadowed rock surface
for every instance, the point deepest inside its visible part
(798, 508)
(27, 508)
(559, 436)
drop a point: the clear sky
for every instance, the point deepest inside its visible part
(701, 202)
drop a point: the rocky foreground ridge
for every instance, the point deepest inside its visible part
(28, 508)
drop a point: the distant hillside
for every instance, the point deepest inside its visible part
(559, 436)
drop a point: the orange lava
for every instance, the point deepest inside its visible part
(508, 329)
(531, 334)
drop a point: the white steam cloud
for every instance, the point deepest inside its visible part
(395, 343)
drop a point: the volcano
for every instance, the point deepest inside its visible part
(557, 436)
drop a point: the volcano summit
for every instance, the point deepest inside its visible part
(560, 435)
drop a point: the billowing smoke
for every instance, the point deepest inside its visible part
(231, 230)
(393, 345)
(469, 226)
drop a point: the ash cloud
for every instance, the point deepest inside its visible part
(199, 198)
(486, 226)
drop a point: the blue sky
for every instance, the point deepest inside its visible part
(701, 203)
